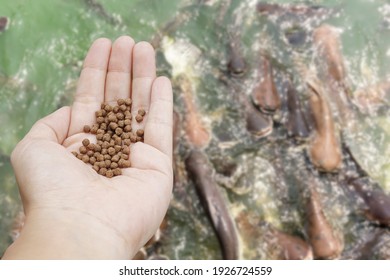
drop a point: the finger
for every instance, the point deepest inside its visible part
(144, 73)
(118, 82)
(90, 88)
(53, 127)
(158, 127)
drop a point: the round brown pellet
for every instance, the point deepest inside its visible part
(117, 172)
(94, 128)
(122, 107)
(125, 135)
(113, 125)
(128, 116)
(102, 171)
(85, 158)
(114, 165)
(109, 174)
(100, 157)
(140, 139)
(118, 131)
(75, 153)
(140, 132)
(118, 141)
(117, 148)
(100, 131)
(97, 148)
(121, 163)
(126, 163)
(106, 137)
(121, 123)
(104, 151)
(128, 101)
(108, 108)
(111, 151)
(102, 164)
(112, 118)
(96, 167)
(115, 109)
(127, 122)
(99, 113)
(87, 129)
(85, 142)
(107, 157)
(139, 118)
(83, 150)
(103, 126)
(106, 145)
(91, 146)
(100, 120)
(99, 136)
(89, 153)
(120, 101)
(126, 150)
(141, 112)
(92, 160)
(120, 116)
(127, 142)
(127, 128)
(80, 156)
(115, 158)
(107, 163)
(124, 156)
(133, 138)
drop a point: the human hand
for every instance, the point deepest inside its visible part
(71, 211)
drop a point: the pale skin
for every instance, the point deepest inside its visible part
(71, 211)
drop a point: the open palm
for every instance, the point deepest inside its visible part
(53, 182)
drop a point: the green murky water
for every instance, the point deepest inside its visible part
(41, 53)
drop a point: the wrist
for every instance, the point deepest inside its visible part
(67, 234)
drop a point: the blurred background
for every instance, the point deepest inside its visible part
(43, 44)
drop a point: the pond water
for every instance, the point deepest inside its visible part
(41, 53)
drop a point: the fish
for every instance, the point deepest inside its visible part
(257, 123)
(196, 131)
(170, 27)
(265, 94)
(371, 247)
(3, 23)
(301, 10)
(324, 147)
(375, 199)
(296, 125)
(296, 36)
(288, 247)
(202, 173)
(373, 97)
(325, 244)
(327, 43)
(237, 65)
(101, 11)
(176, 129)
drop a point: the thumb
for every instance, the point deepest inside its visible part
(53, 127)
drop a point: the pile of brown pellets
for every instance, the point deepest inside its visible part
(114, 136)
